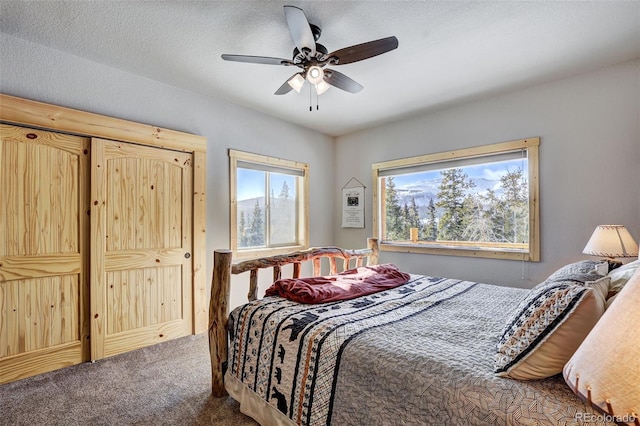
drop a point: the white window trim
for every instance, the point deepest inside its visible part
(530, 144)
(302, 191)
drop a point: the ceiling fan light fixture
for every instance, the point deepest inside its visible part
(296, 82)
(315, 75)
(322, 87)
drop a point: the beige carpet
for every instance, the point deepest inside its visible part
(165, 384)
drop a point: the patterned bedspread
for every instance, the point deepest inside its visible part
(418, 354)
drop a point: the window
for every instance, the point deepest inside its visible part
(269, 204)
(480, 202)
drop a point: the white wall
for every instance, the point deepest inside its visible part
(36, 72)
(589, 154)
(589, 165)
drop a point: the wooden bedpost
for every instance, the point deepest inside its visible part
(253, 286)
(372, 243)
(218, 307)
(221, 289)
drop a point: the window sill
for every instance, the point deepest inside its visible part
(451, 250)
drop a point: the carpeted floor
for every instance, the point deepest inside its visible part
(165, 384)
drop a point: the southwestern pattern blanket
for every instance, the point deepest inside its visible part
(421, 353)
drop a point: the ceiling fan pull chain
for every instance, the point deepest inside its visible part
(310, 102)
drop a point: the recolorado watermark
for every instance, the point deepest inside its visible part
(595, 418)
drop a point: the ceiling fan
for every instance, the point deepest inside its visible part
(312, 57)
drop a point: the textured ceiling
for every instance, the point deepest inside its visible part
(449, 51)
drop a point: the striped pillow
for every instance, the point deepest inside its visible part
(546, 328)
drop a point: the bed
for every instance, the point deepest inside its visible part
(421, 352)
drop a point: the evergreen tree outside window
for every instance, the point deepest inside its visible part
(479, 202)
(269, 204)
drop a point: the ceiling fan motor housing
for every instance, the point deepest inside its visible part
(321, 51)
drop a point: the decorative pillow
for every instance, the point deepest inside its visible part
(546, 328)
(605, 369)
(621, 275)
(600, 284)
(600, 267)
(600, 288)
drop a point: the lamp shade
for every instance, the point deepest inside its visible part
(322, 87)
(296, 82)
(611, 241)
(605, 369)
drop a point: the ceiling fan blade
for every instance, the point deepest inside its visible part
(341, 81)
(363, 51)
(257, 59)
(300, 29)
(285, 88)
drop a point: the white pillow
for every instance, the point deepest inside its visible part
(621, 275)
(605, 369)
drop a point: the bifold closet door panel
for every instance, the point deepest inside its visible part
(141, 263)
(44, 225)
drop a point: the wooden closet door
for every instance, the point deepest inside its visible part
(141, 264)
(44, 223)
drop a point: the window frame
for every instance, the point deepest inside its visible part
(302, 203)
(531, 145)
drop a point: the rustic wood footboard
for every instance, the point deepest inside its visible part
(221, 289)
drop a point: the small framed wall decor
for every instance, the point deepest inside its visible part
(353, 204)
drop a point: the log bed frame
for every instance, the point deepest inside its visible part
(221, 289)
